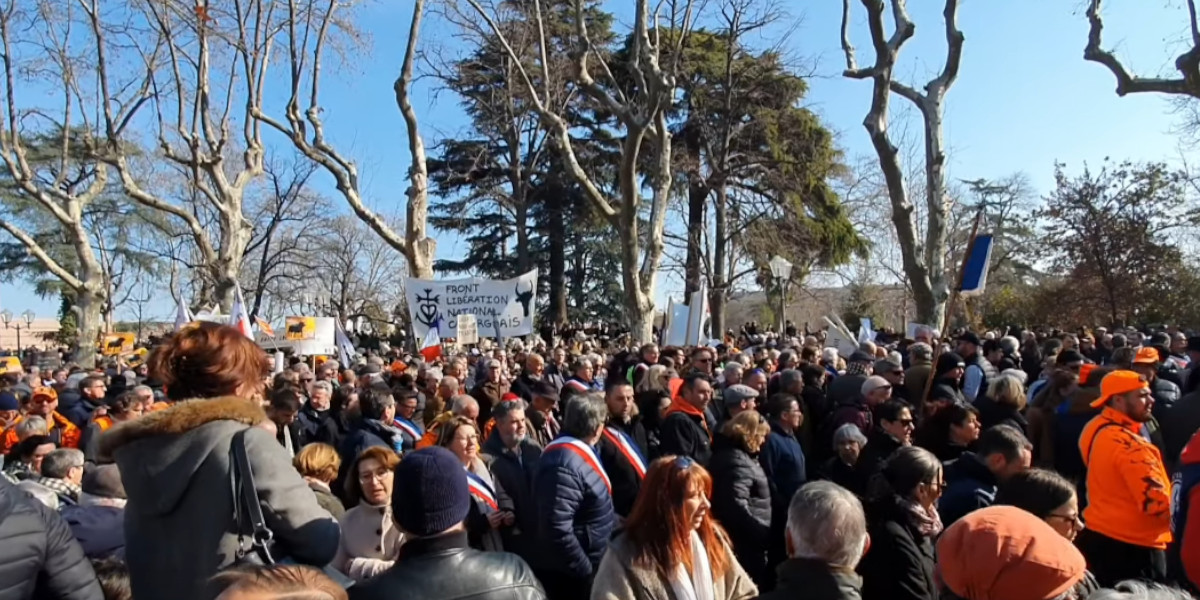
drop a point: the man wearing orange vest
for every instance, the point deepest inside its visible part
(43, 403)
(1128, 514)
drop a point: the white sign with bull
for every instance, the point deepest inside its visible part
(505, 305)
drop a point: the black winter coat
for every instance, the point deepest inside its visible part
(626, 482)
(900, 562)
(38, 555)
(516, 477)
(880, 447)
(99, 529)
(1182, 421)
(808, 579)
(992, 414)
(310, 423)
(444, 568)
(685, 435)
(1166, 394)
(741, 502)
(970, 486)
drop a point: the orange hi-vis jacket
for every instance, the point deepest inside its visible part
(1129, 492)
(61, 430)
(104, 422)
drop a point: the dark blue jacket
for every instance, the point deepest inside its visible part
(79, 412)
(99, 529)
(310, 423)
(575, 513)
(782, 460)
(969, 487)
(363, 434)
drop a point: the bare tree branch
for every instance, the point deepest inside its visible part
(1188, 63)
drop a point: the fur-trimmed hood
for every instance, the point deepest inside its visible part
(180, 418)
(165, 455)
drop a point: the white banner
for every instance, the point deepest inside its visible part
(467, 329)
(506, 305)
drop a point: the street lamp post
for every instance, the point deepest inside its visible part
(781, 270)
(7, 317)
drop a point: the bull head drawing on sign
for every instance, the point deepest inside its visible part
(525, 298)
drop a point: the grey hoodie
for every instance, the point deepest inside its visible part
(175, 466)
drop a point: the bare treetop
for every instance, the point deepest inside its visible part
(1187, 63)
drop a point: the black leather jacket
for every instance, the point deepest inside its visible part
(444, 568)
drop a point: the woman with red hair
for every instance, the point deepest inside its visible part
(176, 465)
(672, 548)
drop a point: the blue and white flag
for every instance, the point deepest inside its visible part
(975, 269)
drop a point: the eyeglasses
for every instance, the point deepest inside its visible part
(1073, 519)
(380, 474)
(905, 422)
(306, 379)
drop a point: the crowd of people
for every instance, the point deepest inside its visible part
(1016, 465)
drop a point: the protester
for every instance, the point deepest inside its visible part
(686, 430)
(672, 548)
(979, 373)
(369, 541)
(372, 427)
(43, 402)
(1129, 495)
(653, 398)
(783, 461)
(916, 376)
(284, 406)
(39, 556)
(622, 447)
(98, 519)
(893, 430)
(946, 388)
(1005, 553)
(406, 411)
(92, 390)
(826, 539)
(575, 513)
(62, 472)
(1148, 363)
(275, 582)
(120, 409)
(972, 480)
(312, 417)
(491, 508)
(741, 499)
(950, 432)
(513, 460)
(319, 464)
(435, 562)
(902, 520)
(543, 425)
(1004, 403)
(1047, 496)
(175, 466)
(25, 460)
(842, 468)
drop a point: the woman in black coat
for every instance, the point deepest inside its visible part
(902, 521)
(951, 431)
(741, 498)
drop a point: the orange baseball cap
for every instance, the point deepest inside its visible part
(1084, 370)
(44, 391)
(1146, 356)
(1117, 383)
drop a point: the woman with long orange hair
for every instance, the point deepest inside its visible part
(672, 548)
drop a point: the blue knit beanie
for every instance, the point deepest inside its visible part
(430, 492)
(8, 401)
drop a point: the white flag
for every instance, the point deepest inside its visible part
(344, 345)
(183, 315)
(238, 317)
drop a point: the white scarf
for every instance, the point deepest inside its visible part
(699, 584)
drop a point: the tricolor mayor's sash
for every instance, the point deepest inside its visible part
(409, 428)
(627, 449)
(481, 490)
(569, 444)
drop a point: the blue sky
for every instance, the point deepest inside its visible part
(1025, 97)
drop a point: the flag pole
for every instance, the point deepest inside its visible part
(950, 305)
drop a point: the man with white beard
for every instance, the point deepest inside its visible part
(513, 459)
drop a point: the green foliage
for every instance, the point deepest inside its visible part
(1111, 238)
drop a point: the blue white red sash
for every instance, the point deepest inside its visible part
(578, 386)
(408, 427)
(626, 447)
(481, 490)
(583, 451)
